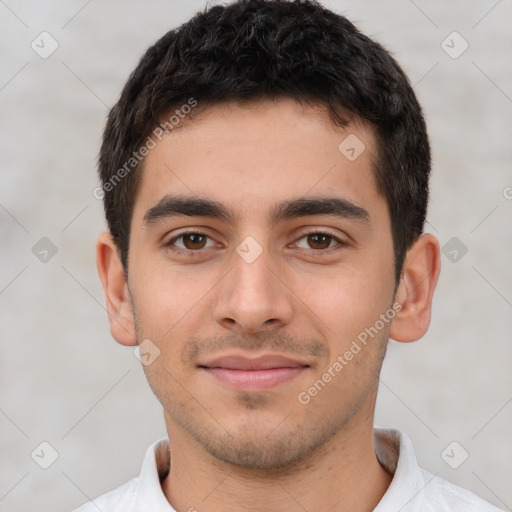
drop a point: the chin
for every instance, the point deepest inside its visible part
(256, 446)
(260, 454)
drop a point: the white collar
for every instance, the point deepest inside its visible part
(393, 448)
(395, 452)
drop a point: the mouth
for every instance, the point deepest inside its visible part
(254, 374)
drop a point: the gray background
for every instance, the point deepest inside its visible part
(65, 381)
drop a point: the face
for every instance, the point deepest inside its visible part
(260, 259)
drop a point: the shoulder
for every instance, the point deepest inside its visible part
(143, 489)
(120, 499)
(443, 496)
(414, 489)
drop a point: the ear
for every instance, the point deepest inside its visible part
(117, 294)
(416, 289)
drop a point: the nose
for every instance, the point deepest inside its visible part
(253, 296)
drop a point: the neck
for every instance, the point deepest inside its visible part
(342, 475)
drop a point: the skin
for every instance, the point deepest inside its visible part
(264, 450)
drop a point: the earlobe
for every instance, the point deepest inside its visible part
(117, 295)
(416, 289)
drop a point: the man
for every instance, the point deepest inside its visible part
(265, 180)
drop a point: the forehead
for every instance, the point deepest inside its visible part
(258, 154)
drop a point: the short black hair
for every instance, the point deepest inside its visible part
(253, 49)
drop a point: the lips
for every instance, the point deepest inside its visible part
(253, 374)
(267, 362)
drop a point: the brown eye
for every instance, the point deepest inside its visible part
(189, 243)
(319, 241)
(194, 241)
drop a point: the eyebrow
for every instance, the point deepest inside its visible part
(170, 206)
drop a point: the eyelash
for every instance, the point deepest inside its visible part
(194, 253)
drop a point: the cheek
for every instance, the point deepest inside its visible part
(171, 305)
(349, 300)
(166, 296)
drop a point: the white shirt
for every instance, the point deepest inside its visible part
(412, 489)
